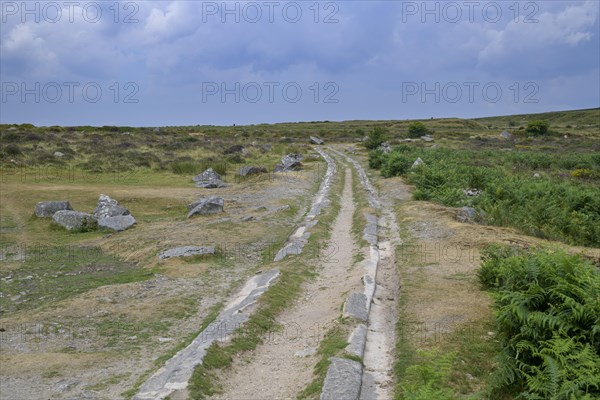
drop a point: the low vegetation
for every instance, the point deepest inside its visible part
(552, 196)
(548, 321)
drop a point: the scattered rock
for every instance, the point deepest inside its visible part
(536, 175)
(165, 339)
(427, 138)
(267, 147)
(208, 205)
(186, 251)
(45, 209)
(209, 179)
(469, 214)
(251, 170)
(58, 154)
(117, 223)
(417, 162)
(506, 135)
(74, 219)
(472, 192)
(235, 149)
(316, 140)
(108, 207)
(309, 351)
(290, 162)
(385, 148)
(247, 218)
(466, 214)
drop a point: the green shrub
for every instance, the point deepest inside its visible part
(548, 320)
(376, 159)
(12, 150)
(549, 208)
(396, 164)
(375, 138)
(417, 129)
(537, 127)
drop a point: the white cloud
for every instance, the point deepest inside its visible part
(571, 26)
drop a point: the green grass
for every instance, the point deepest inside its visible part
(50, 274)
(211, 316)
(333, 344)
(552, 206)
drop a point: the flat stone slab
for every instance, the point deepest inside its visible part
(343, 380)
(316, 140)
(118, 223)
(73, 219)
(177, 371)
(357, 341)
(356, 306)
(186, 251)
(45, 209)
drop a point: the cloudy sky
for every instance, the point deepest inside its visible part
(155, 63)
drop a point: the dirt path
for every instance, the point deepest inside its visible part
(283, 365)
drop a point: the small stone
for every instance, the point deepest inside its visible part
(251, 170)
(186, 251)
(208, 205)
(417, 162)
(306, 352)
(316, 140)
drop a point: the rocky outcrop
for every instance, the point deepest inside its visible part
(208, 179)
(251, 170)
(205, 206)
(117, 223)
(108, 207)
(111, 215)
(290, 162)
(46, 209)
(70, 220)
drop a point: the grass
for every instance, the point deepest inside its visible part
(549, 206)
(50, 274)
(160, 361)
(435, 361)
(333, 344)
